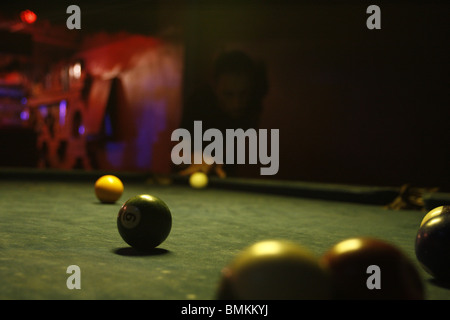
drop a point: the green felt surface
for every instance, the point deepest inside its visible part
(46, 226)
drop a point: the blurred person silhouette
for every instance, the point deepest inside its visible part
(232, 101)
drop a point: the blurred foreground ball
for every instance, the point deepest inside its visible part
(367, 268)
(434, 213)
(433, 244)
(274, 270)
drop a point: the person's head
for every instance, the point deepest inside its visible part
(234, 82)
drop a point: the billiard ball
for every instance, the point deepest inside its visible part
(198, 180)
(108, 189)
(144, 222)
(369, 269)
(434, 213)
(274, 270)
(432, 245)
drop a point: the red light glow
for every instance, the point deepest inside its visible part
(28, 16)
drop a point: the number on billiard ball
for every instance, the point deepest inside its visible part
(144, 222)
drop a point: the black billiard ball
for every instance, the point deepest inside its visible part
(433, 243)
(274, 270)
(144, 222)
(366, 269)
(434, 213)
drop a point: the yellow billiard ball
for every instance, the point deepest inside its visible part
(198, 180)
(108, 189)
(273, 270)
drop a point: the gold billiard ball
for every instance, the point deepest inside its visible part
(274, 270)
(108, 189)
(198, 180)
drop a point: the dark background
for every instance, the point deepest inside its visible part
(353, 105)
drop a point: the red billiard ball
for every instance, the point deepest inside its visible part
(144, 222)
(368, 268)
(274, 270)
(433, 245)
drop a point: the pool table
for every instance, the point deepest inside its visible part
(50, 220)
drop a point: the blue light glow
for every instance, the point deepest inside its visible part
(25, 115)
(62, 112)
(81, 130)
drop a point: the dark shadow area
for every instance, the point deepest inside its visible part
(322, 191)
(48, 174)
(107, 203)
(440, 283)
(132, 252)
